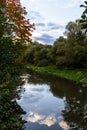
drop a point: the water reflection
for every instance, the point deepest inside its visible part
(10, 111)
(42, 119)
(47, 120)
(75, 113)
(52, 103)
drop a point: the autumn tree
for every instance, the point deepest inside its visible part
(15, 32)
(18, 26)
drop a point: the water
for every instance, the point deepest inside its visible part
(52, 103)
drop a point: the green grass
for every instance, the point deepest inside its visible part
(77, 75)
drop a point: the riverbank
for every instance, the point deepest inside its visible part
(79, 76)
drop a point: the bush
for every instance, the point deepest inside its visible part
(60, 62)
(43, 62)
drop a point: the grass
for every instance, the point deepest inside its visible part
(77, 75)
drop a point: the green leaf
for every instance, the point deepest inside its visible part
(85, 2)
(83, 16)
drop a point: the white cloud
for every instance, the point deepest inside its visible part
(37, 34)
(47, 32)
(32, 0)
(72, 3)
(81, 0)
(59, 12)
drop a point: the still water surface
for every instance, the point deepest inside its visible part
(52, 103)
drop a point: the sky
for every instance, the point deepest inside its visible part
(51, 17)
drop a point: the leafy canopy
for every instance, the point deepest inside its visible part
(83, 20)
(17, 26)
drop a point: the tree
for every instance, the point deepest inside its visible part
(76, 47)
(15, 31)
(72, 29)
(16, 25)
(57, 52)
(13, 22)
(83, 21)
(61, 39)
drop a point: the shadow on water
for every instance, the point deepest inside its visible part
(52, 103)
(10, 111)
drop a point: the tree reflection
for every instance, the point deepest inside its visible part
(75, 113)
(74, 96)
(10, 111)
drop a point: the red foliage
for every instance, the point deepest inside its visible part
(22, 26)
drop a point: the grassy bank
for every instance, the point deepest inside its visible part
(79, 76)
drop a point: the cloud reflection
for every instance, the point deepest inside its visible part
(48, 120)
(64, 125)
(34, 117)
(42, 119)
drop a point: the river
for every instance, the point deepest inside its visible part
(52, 103)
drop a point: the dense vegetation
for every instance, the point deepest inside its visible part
(69, 51)
(15, 31)
(77, 75)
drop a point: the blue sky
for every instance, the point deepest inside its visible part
(51, 17)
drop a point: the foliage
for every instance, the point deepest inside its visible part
(79, 76)
(43, 62)
(15, 31)
(18, 26)
(69, 55)
(69, 52)
(38, 54)
(10, 66)
(83, 20)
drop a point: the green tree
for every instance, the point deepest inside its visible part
(61, 39)
(57, 52)
(83, 20)
(76, 47)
